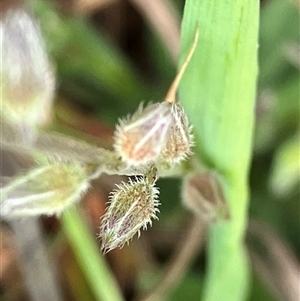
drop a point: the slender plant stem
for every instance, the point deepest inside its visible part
(93, 264)
(171, 94)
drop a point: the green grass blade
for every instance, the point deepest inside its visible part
(93, 265)
(218, 93)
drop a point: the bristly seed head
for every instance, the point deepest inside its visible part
(45, 190)
(180, 138)
(140, 139)
(132, 207)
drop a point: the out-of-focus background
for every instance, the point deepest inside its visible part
(108, 56)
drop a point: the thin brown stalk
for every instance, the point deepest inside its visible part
(176, 269)
(85, 7)
(164, 20)
(171, 95)
(274, 262)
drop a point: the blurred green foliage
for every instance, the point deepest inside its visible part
(93, 73)
(275, 169)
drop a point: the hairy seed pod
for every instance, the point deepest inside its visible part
(44, 190)
(140, 139)
(132, 207)
(179, 138)
(27, 77)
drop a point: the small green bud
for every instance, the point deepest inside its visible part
(133, 205)
(44, 190)
(140, 139)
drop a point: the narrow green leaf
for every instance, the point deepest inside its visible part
(218, 93)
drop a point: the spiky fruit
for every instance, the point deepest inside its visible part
(132, 207)
(179, 139)
(140, 139)
(44, 190)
